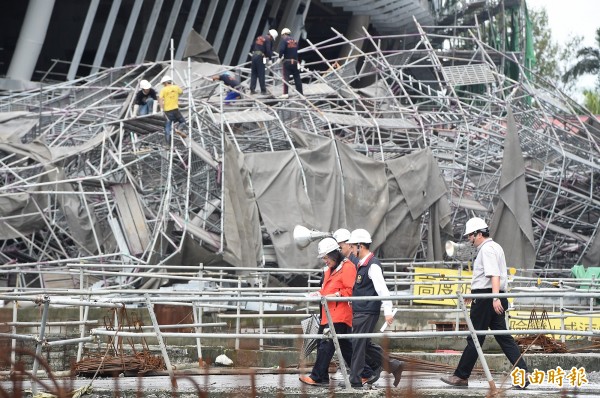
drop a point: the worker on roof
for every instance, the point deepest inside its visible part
(145, 99)
(169, 103)
(230, 80)
(262, 52)
(288, 52)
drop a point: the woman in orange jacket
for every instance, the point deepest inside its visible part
(338, 281)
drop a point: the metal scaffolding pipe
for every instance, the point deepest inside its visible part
(69, 341)
(387, 334)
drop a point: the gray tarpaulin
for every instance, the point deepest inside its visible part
(421, 188)
(511, 223)
(243, 238)
(200, 50)
(321, 206)
(23, 210)
(360, 174)
(366, 193)
(324, 185)
(402, 238)
(592, 254)
(357, 195)
(276, 180)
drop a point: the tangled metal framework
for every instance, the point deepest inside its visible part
(84, 182)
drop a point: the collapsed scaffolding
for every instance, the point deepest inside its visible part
(86, 182)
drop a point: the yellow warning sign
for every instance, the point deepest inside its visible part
(433, 281)
(579, 323)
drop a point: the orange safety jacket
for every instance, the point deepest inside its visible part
(340, 280)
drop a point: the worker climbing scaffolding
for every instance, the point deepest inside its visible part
(169, 103)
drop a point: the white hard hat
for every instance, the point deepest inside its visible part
(273, 33)
(286, 31)
(341, 235)
(166, 78)
(145, 84)
(360, 236)
(326, 246)
(474, 224)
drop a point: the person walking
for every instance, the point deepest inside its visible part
(144, 99)
(341, 236)
(338, 280)
(369, 282)
(230, 80)
(489, 276)
(168, 99)
(262, 51)
(288, 51)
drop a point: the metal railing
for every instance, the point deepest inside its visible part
(234, 293)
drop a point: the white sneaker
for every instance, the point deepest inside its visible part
(284, 96)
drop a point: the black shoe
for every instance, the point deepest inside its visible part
(398, 374)
(264, 92)
(252, 92)
(375, 376)
(352, 385)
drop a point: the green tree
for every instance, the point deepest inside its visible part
(588, 62)
(545, 48)
(567, 55)
(592, 101)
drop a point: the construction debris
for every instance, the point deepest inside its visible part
(86, 185)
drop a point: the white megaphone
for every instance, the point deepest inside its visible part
(452, 248)
(303, 236)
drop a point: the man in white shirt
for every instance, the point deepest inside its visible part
(365, 314)
(489, 276)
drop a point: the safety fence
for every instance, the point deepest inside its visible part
(249, 296)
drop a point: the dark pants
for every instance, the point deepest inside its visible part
(364, 351)
(173, 116)
(258, 70)
(326, 349)
(290, 67)
(484, 317)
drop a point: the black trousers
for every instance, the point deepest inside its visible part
(364, 351)
(326, 349)
(290, 67)
(484, 317)
(258, 71)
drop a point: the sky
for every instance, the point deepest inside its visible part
(572, 17)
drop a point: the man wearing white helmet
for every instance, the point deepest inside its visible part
(288, 51)
(338, 280)
(489, 276)
(262, 51)
(168, 99)
(365, 314)
(341, 236)
(144, 99)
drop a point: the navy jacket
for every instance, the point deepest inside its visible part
(288, 48)
(364, 287)
(263, 44)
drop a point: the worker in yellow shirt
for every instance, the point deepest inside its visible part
(168, 99)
